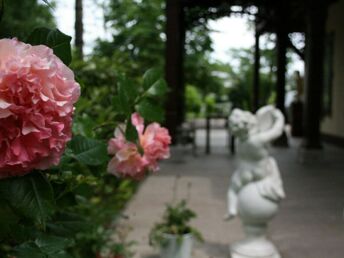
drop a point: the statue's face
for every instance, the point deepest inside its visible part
(241, 123)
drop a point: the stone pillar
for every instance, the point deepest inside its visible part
(315, 35)
(175, 33)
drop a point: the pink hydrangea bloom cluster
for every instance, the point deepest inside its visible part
(133, 161)
(37, 93)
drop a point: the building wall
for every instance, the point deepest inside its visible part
(333, 124)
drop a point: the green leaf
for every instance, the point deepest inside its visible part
(151, 77)
(44, 247)
(67, 200)
(116, 102)
(127, 94)
(7, 219)
(131, 132)
(28, 250)
(1, 9)
(47, 3)
(84, 190)
(22, 233)
(56, 40)
(150, 111)
(159, 88)
(88, 151)
(51, 245)
(68, 225)
(30, 196)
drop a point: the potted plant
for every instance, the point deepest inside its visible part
(174, 236)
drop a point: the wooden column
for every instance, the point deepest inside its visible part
(175, 33)
(256, 75)
(281, 46)
(315, 34)
(79, 28)
(207, 134)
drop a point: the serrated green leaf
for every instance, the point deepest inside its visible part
(30, 196)
(150, 77)
(44, 247)
(88, 151)
(131, 132)
(52, 245)
(56, 40)
(28, 250)
(68, 225)
(150, 111)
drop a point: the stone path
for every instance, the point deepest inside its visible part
(310, 222)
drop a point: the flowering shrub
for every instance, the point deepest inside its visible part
(37, 93)
(134, 161)
(68, 209)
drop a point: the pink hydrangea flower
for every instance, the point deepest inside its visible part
(37, 93)
(128, 160)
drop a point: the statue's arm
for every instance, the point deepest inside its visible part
(275, 131)
(232, 195)
(232, 204)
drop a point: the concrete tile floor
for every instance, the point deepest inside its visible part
(310, 222)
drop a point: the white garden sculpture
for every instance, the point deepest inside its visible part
(256, 186)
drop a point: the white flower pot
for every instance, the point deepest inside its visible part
(176, 247)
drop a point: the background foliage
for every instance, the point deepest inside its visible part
(21, 17)
(71, 210)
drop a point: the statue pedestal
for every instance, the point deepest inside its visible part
(254, 248)
(256, 186)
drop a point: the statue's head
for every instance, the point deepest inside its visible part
(242, 123)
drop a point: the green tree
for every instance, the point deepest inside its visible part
(193, 101)
(21, 17)
(138, 39)
(240, 77)
(138, 29)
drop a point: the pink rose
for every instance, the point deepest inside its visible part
(37, 93)
(128, 161)
(155, 142)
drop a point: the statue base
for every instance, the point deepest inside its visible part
(254, 248)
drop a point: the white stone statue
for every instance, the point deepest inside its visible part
(256, 186)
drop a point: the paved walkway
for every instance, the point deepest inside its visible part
(310, 222)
